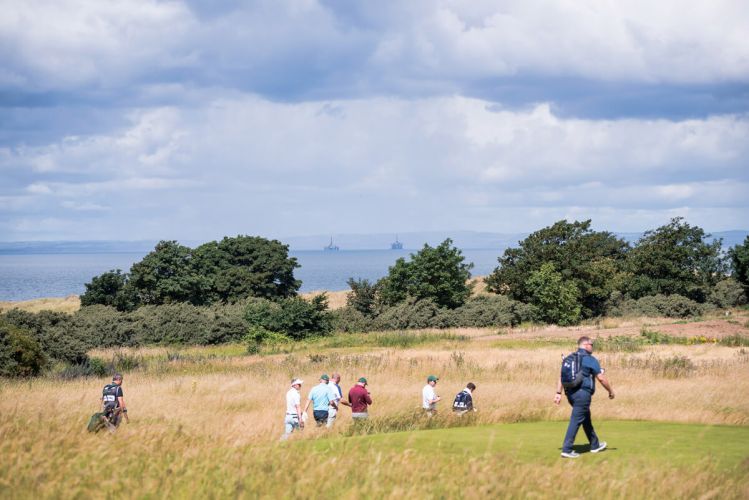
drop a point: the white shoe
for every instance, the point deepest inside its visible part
(601, 447)
(570, 454)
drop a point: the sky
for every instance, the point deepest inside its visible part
(191, 120)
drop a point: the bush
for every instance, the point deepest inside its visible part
(21, 354)
(55, 333)
(257, 336)
(413, 313)
(670, 306)
(488, 311)
(294, 317)
(727, 293)
(349, 320)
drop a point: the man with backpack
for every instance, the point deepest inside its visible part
(578, 380)
(113, 401)
(463, 402)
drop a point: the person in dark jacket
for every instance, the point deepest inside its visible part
(359, 400)
(463, 402)
(580, 398)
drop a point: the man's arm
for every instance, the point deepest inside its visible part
(368, 399)
(309, 400)
(299, 415)
(606, 384)
(123, 408)
(558, 395)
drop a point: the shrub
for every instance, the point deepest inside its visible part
(349, 320)
(412, 314)
(670, 306)
(21, 354)
(257, 336)
(727, 293)
(489, 310)
(54, 332)
(294, 317)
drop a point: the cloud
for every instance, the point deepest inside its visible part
(619, 53)
(247, 164)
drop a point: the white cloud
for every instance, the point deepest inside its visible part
(246, 164)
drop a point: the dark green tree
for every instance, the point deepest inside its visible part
(590, 260)
(246, 266)
(555, 300)
(739, 257)
(167, 275)
(438, 273)
(111, 289)
(363, 296)
(675, 259)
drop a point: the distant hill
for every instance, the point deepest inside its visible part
(473, 240)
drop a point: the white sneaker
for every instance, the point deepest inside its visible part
(570, 454)
(601, 447)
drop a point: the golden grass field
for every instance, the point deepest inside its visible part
(205, 421)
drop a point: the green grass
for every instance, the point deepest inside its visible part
(655, 443)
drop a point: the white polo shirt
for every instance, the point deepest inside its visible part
(428, 394)
(293, 399)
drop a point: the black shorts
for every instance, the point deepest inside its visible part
(321, 416)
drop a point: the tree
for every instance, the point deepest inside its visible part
(363, 296)
(166, 275)
(675, 259)
(438, 273)
(555, 300)
(739, 257)
(592, 261)
(110, 289)
(246, 266)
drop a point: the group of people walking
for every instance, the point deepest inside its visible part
(326, 399)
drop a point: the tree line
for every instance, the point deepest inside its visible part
(243, 288)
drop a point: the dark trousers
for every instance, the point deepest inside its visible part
(580, 401)
(321, 417)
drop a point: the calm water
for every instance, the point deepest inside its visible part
(24, 277)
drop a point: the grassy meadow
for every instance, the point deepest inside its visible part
(206, 421)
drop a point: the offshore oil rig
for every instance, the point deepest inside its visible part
(331, 247)
(397, 245)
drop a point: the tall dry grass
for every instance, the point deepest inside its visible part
(206, 422)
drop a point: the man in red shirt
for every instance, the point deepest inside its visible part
(360, 399)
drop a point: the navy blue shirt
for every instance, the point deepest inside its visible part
(591, 368)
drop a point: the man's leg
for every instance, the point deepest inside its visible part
(590, 433)
(332, 413)
(576, 419)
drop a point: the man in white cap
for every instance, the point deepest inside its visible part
(293, 418)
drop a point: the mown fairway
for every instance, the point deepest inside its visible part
(206, 422)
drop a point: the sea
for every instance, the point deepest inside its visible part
(32, 276)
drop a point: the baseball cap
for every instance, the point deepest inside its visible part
(432, 378)
(324, 376)
(297, 381)
(362, 380)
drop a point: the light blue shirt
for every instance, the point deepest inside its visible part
(320, 397)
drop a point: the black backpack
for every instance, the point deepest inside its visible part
(463, 401)
(572, 371)
(109, 396)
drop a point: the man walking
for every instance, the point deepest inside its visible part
(359, 399)
(463, 402)
(113, 402)
(319, 396)
(293, 418)
(429, 396)
(336, 395)
(580, 397)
